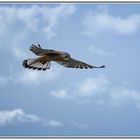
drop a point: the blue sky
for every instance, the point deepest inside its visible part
(70, 102)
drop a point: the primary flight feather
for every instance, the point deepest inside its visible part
(43, 62)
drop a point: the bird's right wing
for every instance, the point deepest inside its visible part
(73, 63)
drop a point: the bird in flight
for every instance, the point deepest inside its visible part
(46, 56)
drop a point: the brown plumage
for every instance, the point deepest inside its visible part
(43, 62)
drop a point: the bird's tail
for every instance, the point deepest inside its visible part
(36, 64)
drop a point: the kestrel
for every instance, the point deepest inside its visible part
(43, 62)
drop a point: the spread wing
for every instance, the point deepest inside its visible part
(73, 63)
(38, 50)
(42, 52)
(37, 63)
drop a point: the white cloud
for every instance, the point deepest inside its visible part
(18, 53)
(100, 51)
(55, 14)
(122, 95)
(61, 94)
(54, 123)
(81, 92)
(37, 18)
(17, 45)
(17, 115)
(90, 86)
(29, 77)
(44, 18)
(80, 125)
(101, 21)
(20, 25)
(103, 91)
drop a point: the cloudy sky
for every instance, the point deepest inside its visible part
(70, 102)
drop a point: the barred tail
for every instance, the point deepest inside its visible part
(36, 64)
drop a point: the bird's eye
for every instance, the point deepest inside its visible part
(64, 55)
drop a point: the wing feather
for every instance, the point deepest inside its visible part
(38, 50)
(73, 63)
(42, 52)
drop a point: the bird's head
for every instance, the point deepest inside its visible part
(66, 55)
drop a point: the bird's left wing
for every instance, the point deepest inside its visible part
(73, 63)
(38, 50)
(42, 52)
